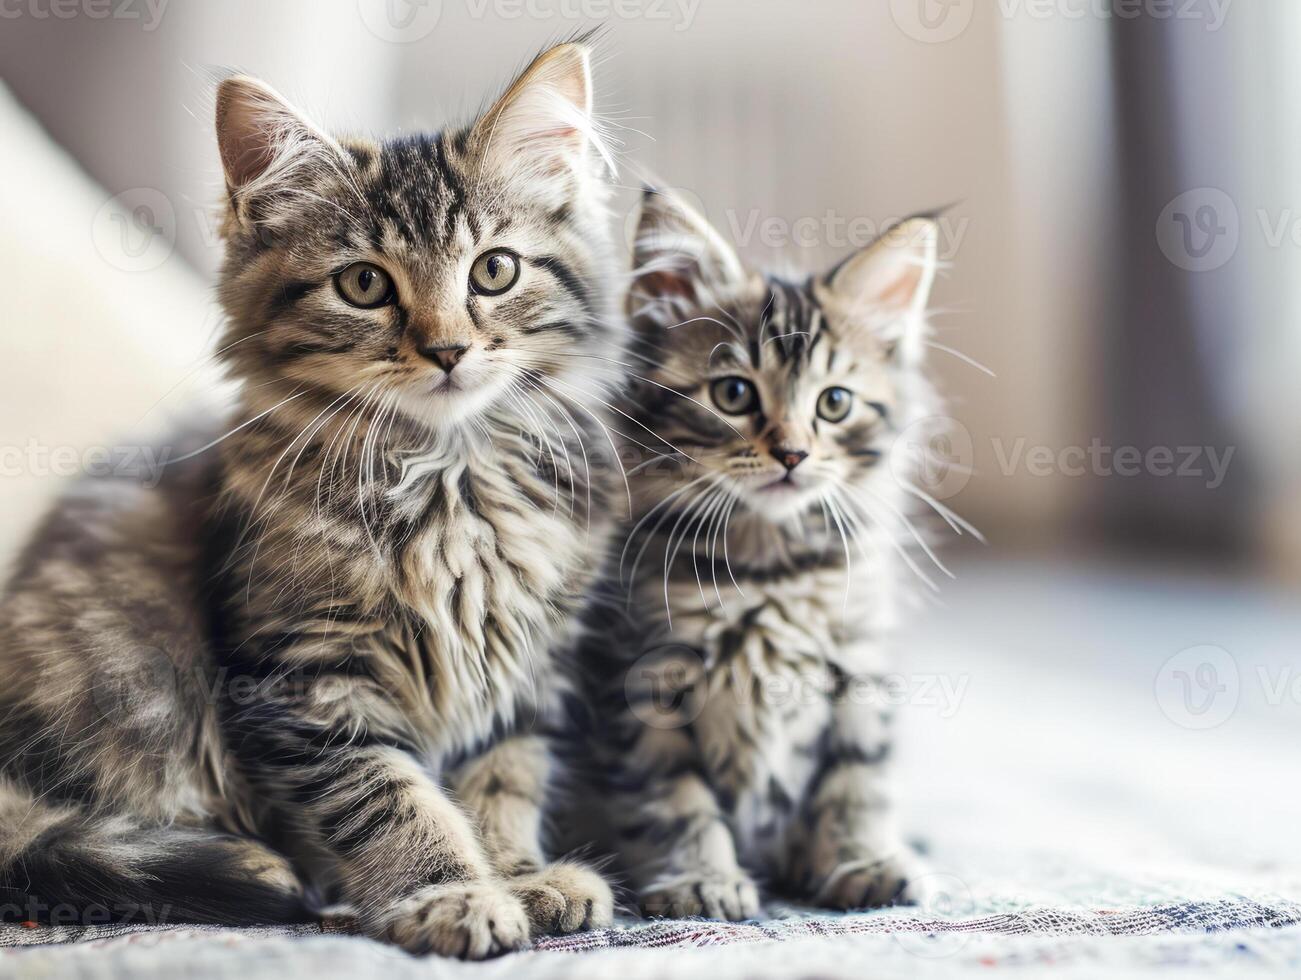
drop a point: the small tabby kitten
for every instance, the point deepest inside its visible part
(735, 736)
(389, 547)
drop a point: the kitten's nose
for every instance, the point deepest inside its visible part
(446, 356)
(790, 458)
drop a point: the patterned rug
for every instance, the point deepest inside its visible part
(1232, 936)
(1078, 828)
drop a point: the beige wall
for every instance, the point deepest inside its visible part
(831, 107)
(760, 107)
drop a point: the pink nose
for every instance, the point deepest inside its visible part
(790, 458)
(446, 356)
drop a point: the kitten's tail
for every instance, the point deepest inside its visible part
(63, 866)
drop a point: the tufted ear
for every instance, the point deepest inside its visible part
(890, 280)
(677, 254)
(264, 141)
(544, 122)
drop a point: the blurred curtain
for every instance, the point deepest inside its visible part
(1173, 344)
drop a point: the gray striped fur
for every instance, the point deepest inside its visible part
(734, 741)
(358, 606)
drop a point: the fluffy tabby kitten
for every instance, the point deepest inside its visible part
(389, 547)
(736, 737)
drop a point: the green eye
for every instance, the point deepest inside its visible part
(365, 285)
(735, 396)
(834, 404)
(494, 272)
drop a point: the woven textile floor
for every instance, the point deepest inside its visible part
(1081, 820)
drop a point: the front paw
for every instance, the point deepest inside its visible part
(564, 897)
(871, 882)
(472, 920)
(731, 897)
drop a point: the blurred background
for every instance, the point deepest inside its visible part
(1117, 324)
(1122, 233)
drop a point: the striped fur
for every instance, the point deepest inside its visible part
(362, 597)
(734, 738)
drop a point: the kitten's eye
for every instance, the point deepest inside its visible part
(735, 396)
(834, 404)
(494, 272)
(365, 285)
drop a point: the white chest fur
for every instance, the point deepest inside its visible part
(481, 578)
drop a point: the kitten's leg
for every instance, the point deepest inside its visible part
(846, 850)
(351, 780)
(506, 789)
(672, 835)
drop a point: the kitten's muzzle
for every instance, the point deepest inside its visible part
(789, 458)
(446, 356)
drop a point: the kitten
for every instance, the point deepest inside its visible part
(390, 544)
(735, 736)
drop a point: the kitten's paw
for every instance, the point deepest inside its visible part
(564, 897)
(898, 879)
(472, 920)
(257, 864)
(730, 897)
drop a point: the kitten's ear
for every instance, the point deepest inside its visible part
(263, 139)
(544, 122)
(889, 282)
(677, 254)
